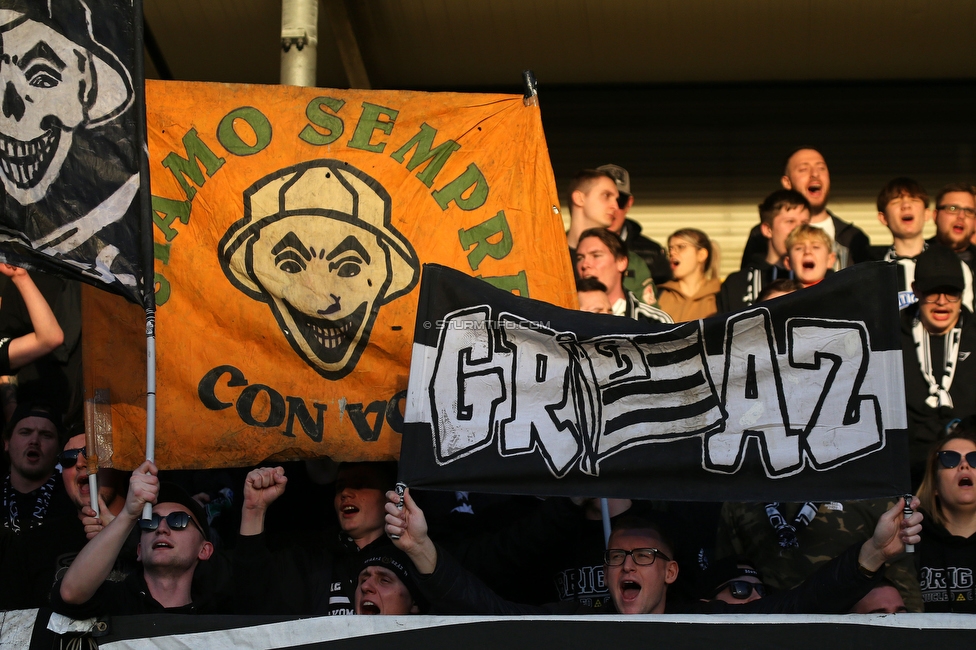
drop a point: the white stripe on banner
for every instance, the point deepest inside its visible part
(337, 628)
(16, 628)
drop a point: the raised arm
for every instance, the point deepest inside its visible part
(262, 487)
(95, 561)
(47, 334)
(449, 587)
(837, 585)
(891, 534)
(409, 525)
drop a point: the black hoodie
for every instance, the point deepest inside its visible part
(946, 564)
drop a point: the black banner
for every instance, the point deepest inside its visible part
(801, 398)
(69, 159)
(797, 632)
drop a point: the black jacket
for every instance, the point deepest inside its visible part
(946, 564)
(127, 598)
(316, 574)
(833, 589)
(927, 424)
(30, 559)
(210, 593)
(741, 288)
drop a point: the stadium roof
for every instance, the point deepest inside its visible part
(469, 44)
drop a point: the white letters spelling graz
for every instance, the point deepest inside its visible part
(577, 401)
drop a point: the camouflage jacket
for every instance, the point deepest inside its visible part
(744, 530)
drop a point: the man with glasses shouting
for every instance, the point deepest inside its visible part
(938, 345)
(639, 568)
(171, 546)
(955, 221)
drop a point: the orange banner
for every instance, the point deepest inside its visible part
(290, 229)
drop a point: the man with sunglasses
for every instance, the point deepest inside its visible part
(111, 483)
(639, 568)
(111, 497)
(639, 247)
(938, 345)
(731, 580)
(171, 546)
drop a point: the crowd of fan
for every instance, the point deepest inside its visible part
(215, 544)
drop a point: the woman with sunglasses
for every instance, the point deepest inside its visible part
(692, 293)
(946, 556)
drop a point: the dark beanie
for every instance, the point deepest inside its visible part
(722, 571)
(392, 558)
(38, 410)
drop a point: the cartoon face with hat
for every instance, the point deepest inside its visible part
(316, 243)
(55, 78)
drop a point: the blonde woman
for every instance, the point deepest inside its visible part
(692, 293)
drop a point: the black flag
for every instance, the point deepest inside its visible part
(69, 154)
(800, 398)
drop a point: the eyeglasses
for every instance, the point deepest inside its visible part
(622, 201)
(956, 209)
(950, 459)
(931, 298)
(680, 248)
(177, 520)
(742, 589)
(642, 556)
(69, 457)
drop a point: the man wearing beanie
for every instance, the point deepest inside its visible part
(32, 490)
(938, 342)
(171, 546)
(386, 585)
(731, 580)
(38, 519)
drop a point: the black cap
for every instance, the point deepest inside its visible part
(392, 558)
(173, 493)
(938, 268)
(38, 410)
(377, 475)
(722, 571)
(620, 176)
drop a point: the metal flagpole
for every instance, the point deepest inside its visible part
(299, 41)
(605, 512)
(91, 453)
(531, 95)
(145, 213)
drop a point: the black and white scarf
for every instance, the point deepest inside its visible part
(938, 391)
(785, 531)
(42, 499)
